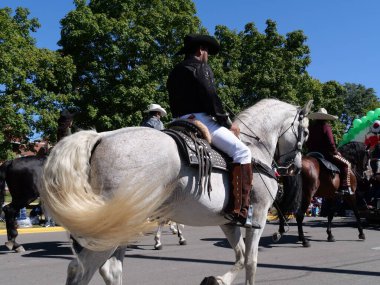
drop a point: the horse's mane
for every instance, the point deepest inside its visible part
(262, 112)
(269, 105)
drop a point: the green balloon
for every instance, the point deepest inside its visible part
(357, 123)
(370, 115)
(364, 119)
(377, 113)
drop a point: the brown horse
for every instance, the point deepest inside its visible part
(316, 180)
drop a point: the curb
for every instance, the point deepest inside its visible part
(36, 230)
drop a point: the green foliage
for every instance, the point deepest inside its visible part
(34, 83)
(253, 66)
(115, 56)
(358, 101)
(123, 51)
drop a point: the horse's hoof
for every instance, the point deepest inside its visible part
(183, 242)
(211, 280)
(331, 239)
(276, 237)
(9, 245)
(306, 243)
(158, 247)
(20, 249)
(362, 236)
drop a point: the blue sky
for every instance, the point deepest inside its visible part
(343, 35)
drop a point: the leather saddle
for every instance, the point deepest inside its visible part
(322, 161)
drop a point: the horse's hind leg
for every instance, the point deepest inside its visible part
(157, 237)
(10, 220)
(87, 262)
(112, 269)
(236, 241)
(173, 227)
(330, 236)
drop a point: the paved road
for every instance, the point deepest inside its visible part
(347, 261)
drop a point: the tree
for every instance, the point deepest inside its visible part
(34, 83)
(358, 100)
(124, 51)
(261, 66)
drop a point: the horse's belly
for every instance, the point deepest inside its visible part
(193, 213)
(193, 207)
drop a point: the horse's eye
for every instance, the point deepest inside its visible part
(306, 134)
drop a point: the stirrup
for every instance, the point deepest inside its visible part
(241, 221)
(344, 191)
(249, 222)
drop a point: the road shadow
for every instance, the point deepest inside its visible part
(50, 249)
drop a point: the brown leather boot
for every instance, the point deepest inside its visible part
(247, 176)
(241, 180)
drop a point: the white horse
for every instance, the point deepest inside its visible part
(102, 187)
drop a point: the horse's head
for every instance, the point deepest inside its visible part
(288, 156)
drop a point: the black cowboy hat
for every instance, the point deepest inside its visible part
(66, 114)
(195, 40)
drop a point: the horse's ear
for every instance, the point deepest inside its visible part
(307, 108)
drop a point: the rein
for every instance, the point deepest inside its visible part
(297, 148)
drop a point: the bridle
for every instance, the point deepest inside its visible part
(289, 166)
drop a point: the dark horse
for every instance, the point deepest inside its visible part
(316, 180)
(22, 176)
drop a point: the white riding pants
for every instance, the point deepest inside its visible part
(224, 139)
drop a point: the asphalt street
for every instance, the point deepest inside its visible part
(347, 261)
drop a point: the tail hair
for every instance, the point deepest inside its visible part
(97, 222)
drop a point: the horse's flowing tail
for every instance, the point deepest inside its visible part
(96, 221)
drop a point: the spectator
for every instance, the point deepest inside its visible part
(153, 119)
(65, 122)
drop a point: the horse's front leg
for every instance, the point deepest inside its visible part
(236, 241)
(112, 269)
(301, 235)
(252, 239)
(354, 206)
(182, 240)
(281, 228)
(10, 220)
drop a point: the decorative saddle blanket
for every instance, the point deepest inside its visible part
(327, 164)
(195, 148)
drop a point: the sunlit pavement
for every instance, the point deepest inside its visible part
(35, 230)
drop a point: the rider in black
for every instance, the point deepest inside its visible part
(192, 95)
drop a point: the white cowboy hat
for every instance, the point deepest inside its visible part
(156, 107)
(321, 115)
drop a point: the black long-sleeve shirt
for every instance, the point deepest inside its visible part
(192, 89)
